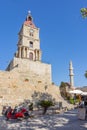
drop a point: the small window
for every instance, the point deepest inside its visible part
(31, 34)
(31, 44)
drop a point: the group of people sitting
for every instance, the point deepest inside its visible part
(83, 102)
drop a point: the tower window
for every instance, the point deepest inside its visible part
(31, 31)
(31, 44)
(30, 18)
(31, 34)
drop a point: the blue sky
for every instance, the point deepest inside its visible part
(63, 34)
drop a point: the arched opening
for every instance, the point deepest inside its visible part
(21, 52)
(31, 44)
(31, 56)
(25, 52)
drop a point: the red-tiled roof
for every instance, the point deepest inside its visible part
(29, 23)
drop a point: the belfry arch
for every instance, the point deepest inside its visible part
(31, 56)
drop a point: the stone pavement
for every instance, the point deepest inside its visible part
(64, 121)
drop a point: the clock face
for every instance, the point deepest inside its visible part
(31, 30)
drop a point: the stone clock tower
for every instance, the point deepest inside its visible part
(27, 59)
(29, 42)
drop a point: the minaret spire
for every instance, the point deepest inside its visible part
(71, 74)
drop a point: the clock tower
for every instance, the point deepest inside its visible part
(29, 42)
(27, 59)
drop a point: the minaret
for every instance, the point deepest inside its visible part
(71, 74)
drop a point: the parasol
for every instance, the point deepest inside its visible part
(76, 91)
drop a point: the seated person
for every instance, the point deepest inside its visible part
(81, 104)
(85, 103)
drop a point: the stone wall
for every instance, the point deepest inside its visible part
(15, 88)
(34, 71)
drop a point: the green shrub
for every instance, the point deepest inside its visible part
(31, 107)
(72, 101)
(45, 104)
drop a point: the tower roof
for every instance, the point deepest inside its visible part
(29, 20)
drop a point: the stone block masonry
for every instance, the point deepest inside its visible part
(35, 71)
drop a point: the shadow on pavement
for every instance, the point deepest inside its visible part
(64, 121)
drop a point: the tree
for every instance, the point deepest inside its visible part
(45, 104)
(84, 15)
(85, 74)
(84, 12)
(45, 100)
(63, 89)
